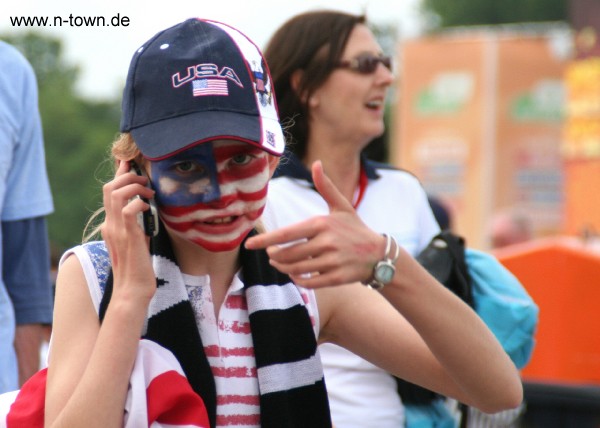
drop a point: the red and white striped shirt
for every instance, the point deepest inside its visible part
(228, 345)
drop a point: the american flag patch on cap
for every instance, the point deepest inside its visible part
(203, 87)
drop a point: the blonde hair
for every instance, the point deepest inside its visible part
(123, 148)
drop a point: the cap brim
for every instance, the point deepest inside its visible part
(164, 138)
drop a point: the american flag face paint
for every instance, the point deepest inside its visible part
(213, 193)
(187, 178)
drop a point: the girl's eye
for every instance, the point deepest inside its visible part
(241, 159)
(188, 167)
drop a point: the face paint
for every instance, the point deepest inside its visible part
(187, 178)
(227, 210)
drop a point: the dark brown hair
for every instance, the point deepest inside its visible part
(312, 42)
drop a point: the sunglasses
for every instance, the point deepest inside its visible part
(366, 63)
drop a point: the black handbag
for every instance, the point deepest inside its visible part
(444, 259)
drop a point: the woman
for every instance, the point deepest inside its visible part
(206, 134)
(331, 79)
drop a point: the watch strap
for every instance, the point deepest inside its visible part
(387, 263)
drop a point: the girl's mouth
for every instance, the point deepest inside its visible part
(221, 220)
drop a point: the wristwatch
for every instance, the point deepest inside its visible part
(384, 270)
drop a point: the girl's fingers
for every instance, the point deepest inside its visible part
(289, 234)
(335, 200)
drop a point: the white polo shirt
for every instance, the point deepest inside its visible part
(361, 395)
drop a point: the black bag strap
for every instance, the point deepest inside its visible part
(456, 247)
(444, 259)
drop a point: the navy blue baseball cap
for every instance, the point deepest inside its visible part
(198, 81)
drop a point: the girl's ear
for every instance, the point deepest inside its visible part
(273, 162)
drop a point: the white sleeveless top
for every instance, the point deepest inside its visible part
(227, 340)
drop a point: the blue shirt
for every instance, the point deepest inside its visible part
(25, 196)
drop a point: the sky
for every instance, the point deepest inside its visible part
(103, 52)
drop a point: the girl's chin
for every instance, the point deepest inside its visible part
(221, 246)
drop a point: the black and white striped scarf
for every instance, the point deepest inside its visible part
(290, 375)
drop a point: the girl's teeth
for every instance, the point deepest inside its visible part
(221, 220)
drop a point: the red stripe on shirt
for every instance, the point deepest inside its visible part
(236, 302)
(235, 327)
(217, 351)
(252, 400)
(234, 372)
(233, 420)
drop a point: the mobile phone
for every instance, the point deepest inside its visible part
(148, 220)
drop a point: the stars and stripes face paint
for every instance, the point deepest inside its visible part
(212, 194)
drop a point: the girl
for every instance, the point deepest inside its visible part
(198, 122)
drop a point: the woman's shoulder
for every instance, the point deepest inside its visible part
(390, 180)
(390, 172)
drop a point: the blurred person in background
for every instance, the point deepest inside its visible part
(25, 200)
(441, 212)
(509, 227)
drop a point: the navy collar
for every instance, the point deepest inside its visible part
(291, 166)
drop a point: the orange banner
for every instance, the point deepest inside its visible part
(480, 123)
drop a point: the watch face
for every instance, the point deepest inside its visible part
(384, 272)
